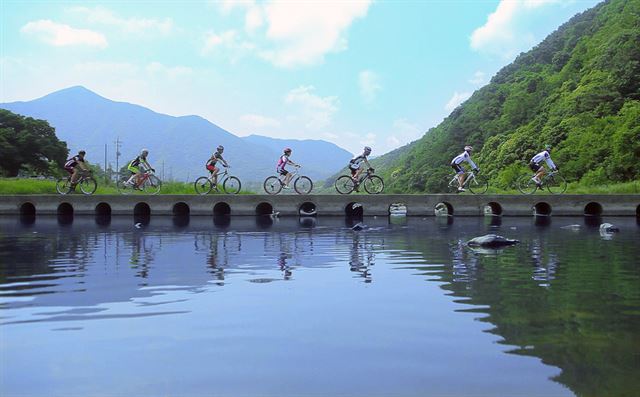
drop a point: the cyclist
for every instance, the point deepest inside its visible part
(134, 167)
(535, 164)
(455, 163)
(74, 166)
(283, 161)
(354, 163)
(211, 164)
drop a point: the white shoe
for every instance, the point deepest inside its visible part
(286, 187)
(460, 189)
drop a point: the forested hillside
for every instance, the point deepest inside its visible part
(578, 90)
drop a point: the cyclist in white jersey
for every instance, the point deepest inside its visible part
(283, 161)
(354, 163)
(455, 164)
(536, 164)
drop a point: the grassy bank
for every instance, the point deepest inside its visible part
(45, 186)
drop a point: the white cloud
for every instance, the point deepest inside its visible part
(506, 33)
(170, 72)
(259, 121)
(104, 16)
(369, 83)
(402, 132)
(316, 111)
(479, 78)
(61, 35)
(228, 43)
(304, 32)
(456, 99)
(296, 33)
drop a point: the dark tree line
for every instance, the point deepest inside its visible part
(29, 144)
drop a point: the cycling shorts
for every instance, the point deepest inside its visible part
(133, 169)
(282, 171)
(69, 169)
(212, 168)
(534, 167)
(353, 171)
(458, 169)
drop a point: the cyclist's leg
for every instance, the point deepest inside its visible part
(459, 174)
(214, 174)
(75, 176)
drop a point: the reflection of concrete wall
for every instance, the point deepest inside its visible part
(417, 205)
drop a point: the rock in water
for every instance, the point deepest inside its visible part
(491, 240)
(609, 228)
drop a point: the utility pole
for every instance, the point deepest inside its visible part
(118, 144)
(163, 170)
(105, 163)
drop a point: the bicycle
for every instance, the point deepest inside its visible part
(477, 184)
(149, 184)
(301, 184)
(87, 183)
(230, 184)
(553, 181)
(373, 184)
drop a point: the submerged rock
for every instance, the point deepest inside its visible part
(609, 228)
(491, 241)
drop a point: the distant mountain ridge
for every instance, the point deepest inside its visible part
(86, 120)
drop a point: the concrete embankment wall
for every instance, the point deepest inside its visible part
(292, 205)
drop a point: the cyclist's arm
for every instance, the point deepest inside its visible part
(471, 163)
(366, 161)
(224, 162)
(550, 163)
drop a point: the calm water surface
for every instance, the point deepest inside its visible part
(193, 307)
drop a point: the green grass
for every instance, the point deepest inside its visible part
(44, 186)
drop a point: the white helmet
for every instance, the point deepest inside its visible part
(144, 151)
(468, 148)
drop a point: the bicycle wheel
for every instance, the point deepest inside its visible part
(203, 185)
(152, 185)
(63, 185)
(88, 185)
(345, 185)
(373, 184)
(452, 184)
(303, 185)
(123, 187)
(526, 185)
(478, 185)
(556, 184)
(272, 185)
(232, 185)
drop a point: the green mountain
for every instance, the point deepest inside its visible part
(578, 90)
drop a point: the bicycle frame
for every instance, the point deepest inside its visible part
(470, 176)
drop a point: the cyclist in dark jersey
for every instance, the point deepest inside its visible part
(211, 164)
(354, 163)
(74, 165)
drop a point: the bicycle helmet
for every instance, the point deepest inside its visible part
(468, 148)
(367, 149)
(547, 148)
(220, 148)
(144, 152)
(82, 152)
(287, 150)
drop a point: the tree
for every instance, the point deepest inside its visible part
(27, 142)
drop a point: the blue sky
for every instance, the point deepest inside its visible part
(379, 73)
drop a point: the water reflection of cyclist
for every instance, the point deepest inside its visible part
(282, 263)
(357, 262)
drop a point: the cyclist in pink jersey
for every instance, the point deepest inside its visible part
(283, 161)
